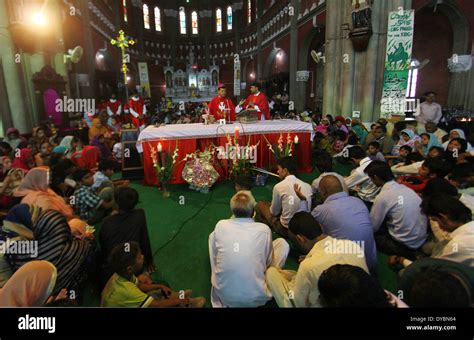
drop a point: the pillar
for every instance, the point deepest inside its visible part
(354, 81)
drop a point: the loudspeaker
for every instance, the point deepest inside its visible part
(132, 164)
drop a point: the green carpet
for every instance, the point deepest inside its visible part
(179, 228)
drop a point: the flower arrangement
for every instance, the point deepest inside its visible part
(241, 158)
(283, 148)
(198, 172)
(164, 164)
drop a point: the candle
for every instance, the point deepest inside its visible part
(237, 132)
(160, 147)
(297, 140)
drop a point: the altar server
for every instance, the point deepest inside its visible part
(114, 106)
(138, 111)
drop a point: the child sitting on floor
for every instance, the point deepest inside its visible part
(88, 205)
(431, 168)
(373, 151)
(103, 177)
(124, 289)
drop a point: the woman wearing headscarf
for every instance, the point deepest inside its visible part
(457, 133)
(323, 127)
(360, 130)
(55, 243)
(34, 189)
(340, 124)
(88, 158)
(38, 138)
(97, 129)
(10, 180)
(24, 160)
(30, 286)
(428, 141)
(72, 144)
(99, 143)
(407, 137)
(13, 138)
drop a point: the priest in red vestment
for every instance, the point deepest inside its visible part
(221, 107)
(138, 111)
(114, 106)
(257, 100)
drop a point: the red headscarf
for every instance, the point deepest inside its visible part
(21, 162)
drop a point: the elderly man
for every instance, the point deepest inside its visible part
(240, 251)
(431, 127)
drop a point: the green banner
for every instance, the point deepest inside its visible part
(397, 62)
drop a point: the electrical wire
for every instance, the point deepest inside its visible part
(180, 228)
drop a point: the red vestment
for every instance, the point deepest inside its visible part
(138, 111)
(222, 108)
(114, 108)
(261, 101)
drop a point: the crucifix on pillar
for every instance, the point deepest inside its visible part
(123, 43)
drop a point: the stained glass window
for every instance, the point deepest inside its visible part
(229, 18)
(182, 21)
(157, 19)
(194, 22)
(146, 17)
(218, 20)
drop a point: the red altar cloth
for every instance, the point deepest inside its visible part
(265, 158)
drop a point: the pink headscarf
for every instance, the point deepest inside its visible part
(30, 286)
(35, 191)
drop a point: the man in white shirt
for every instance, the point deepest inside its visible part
(240, 252)
(358, 180)
(455, 218)
(405, 228)
(285, 202)
(428, 111)
(300, 289)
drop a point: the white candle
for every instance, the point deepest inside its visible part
(297, 140)
(160, 147)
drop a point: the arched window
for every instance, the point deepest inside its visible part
(182, 21)
(249, 11)
(218, 20)
(229, 18)
(146, 17)
(124, 9)
(194, 22)
(157, 19)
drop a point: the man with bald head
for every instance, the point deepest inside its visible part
(345, 217)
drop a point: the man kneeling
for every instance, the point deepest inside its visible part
(240, 251)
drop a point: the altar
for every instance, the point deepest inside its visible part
(191, 137)
(191, 84)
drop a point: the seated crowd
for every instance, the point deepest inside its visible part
(409, 196)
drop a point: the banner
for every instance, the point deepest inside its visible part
(237, 78)
(144, 79)
(397, 62)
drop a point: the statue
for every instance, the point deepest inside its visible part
(191, 56)
(362, 13)
(361, 24)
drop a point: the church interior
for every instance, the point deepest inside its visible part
(237, 153)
